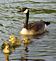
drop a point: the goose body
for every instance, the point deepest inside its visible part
(33, 28)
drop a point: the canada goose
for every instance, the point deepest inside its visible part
(34, 28)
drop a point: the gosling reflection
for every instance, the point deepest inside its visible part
(24, 59)
(24, 56)
(26, 49)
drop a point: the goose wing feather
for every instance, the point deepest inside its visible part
(36, 25)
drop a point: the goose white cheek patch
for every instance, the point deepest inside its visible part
(26, 11)
(45, 27)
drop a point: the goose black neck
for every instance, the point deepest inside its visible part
(26, 21)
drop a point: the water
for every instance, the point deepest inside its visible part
(12, 22)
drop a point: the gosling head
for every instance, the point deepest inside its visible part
(12, 38)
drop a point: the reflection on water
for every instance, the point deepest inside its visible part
(11, 22)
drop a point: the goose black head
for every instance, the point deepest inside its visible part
(24, 10)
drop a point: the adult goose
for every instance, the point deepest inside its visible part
(33, 28)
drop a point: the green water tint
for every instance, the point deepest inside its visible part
(33, 10)
(33, 2)
(39, 11)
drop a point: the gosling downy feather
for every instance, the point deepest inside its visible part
(6, 48)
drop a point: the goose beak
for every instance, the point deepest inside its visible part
(20, 10)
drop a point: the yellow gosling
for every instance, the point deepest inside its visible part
(6, 47)
(18, 43)
(26, 40)
(14, 41)
(6, 50)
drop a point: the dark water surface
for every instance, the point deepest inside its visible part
(12, 22)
